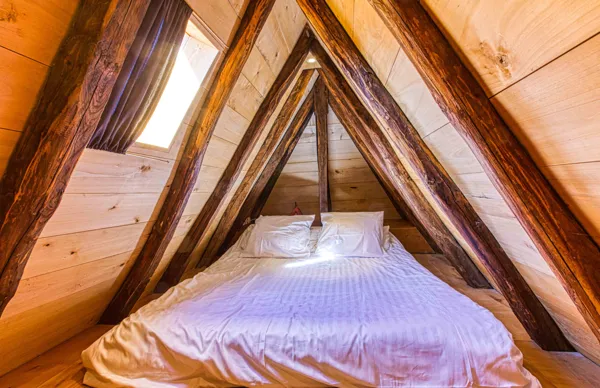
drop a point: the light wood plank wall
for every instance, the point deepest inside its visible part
(539, 62)
(353, 186)
(112, 200)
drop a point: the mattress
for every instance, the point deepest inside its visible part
(319, 321)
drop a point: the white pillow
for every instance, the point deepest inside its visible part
(280, 236)
(352, 234)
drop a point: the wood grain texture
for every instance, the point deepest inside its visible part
(188, 169)
(67, 112)
(504, 41)
(378, 152)
(558, 235)
(321, 109)
(258, 196)
(261, 158)
(258, 124)
(444, 192)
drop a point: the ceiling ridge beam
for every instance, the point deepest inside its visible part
(186, 173)
(258, 125)
(448, 197)
(61, 124)
(381, 157)
(566, 246)
(321, 109)
(221, 238)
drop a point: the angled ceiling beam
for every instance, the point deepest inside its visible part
(257, 198)
(565, 245)
(257, 126)
(321, 108)
(378, 152)
(219, 238)
(59, 127)
(268, 178)
(188, 168)
(448, 197)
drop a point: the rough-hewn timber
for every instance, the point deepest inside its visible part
(286, 76)
(563, 242)
(377, 99)
(59, 127)
(221, 239)
(379, 154)
(189, 167)
(321, 109)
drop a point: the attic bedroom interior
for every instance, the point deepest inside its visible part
(391, 193)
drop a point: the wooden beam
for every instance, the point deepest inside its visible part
(566, 246)
(321, 109)
(220, 241)
(257, 198)
(189, 167)
(379, 154)
(59, 127)
(448, 197)
(286, 76)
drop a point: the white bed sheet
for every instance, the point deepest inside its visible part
(309, 322)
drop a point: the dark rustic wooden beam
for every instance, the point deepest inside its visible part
(321, 109)
(59, 127)
(284, 80)
(189, 166)
(566, 246)
(448, 197)
(379, 154)
(258, 196)
(220, 241)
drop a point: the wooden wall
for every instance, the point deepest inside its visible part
(539, 62)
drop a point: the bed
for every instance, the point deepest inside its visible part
(317, 321)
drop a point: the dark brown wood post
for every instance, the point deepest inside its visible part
(321, 109)
(565, 245)
(406, 140)
(59, 127)
(189, 167)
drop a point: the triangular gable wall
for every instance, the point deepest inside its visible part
(353, 186)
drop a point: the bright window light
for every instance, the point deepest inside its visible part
(191, 66)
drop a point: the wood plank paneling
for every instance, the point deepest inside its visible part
(506, 40)
(21, 81)
(555, 111)
(8, 142)
(35, 29)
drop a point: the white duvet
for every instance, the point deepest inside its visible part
(309, 322)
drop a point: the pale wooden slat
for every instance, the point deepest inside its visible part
(555, 111)
(45, 288)
(504, 41)
(35, 29)
(20, 83)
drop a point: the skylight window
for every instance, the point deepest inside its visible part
(194, 59)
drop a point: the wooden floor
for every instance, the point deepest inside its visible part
(61, 366)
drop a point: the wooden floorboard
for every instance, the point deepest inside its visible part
(61, 366)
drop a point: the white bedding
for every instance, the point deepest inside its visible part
(383, 321)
